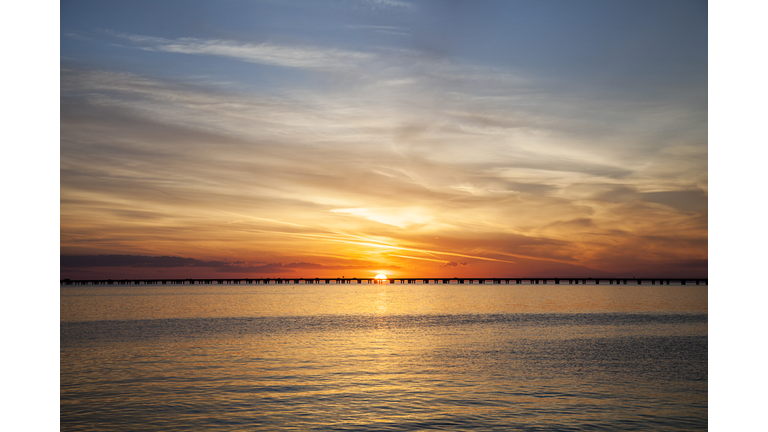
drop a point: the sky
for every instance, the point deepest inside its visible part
(410, 138)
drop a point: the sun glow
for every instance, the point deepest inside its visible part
(381, 277)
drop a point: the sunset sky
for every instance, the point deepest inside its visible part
(410, 138)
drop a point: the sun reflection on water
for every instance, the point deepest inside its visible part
(381, 300)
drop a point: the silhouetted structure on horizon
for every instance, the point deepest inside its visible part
(431, 280)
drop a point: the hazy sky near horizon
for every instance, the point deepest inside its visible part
(445, 138)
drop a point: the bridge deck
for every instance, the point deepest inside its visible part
(480, 281)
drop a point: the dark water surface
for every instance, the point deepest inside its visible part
(384, 357)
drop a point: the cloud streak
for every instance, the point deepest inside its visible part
(70, 262)
(264, 53)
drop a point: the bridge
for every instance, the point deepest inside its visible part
(419, 280)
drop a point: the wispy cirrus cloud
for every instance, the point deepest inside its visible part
(396, 133)
(391, 68)
(290, 170)
(306, 57)
(419, 147)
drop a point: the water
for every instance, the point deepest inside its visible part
(384, 357)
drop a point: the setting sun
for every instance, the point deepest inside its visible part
(381, 277)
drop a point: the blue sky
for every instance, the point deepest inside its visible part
(633, 46)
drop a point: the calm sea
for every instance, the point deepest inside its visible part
(384, 357)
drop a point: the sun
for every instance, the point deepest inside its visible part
(381, 276)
